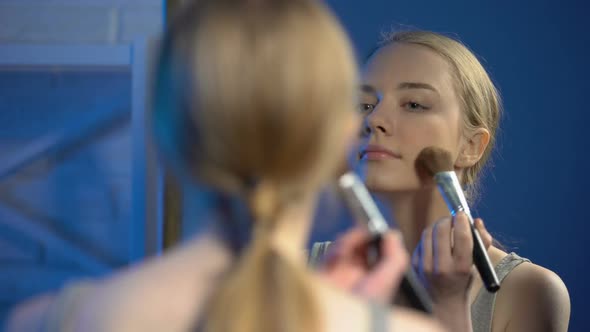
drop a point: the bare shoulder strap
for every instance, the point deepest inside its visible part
(482, 309)
(318, 251)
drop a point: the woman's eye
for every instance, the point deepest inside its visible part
(414, 106)
(366, 108)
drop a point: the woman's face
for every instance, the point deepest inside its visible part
(409, 102)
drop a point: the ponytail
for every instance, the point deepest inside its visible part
(265, 292)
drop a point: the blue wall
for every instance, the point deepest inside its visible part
(533, 201)
(80, 194)
(537, 51)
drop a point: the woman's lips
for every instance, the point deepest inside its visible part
(377, 152)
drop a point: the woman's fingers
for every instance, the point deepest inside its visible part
(383, 279)
(425, 264)
(442, 263)
(462, 244)
(346, 246)
(486, 237)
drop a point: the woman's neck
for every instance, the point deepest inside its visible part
(288, 239)
(413, 211)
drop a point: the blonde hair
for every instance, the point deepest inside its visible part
(251, 98)
(479, 97)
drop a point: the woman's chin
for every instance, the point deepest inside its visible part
(389, 183)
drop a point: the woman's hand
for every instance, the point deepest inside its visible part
(345, 265)
(444, 260)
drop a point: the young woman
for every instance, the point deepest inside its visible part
(422, 89)
(255, 103)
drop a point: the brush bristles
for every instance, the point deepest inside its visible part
(432, 160)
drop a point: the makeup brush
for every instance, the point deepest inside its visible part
(437, 163)
(365, 210)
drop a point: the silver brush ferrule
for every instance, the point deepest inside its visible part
(362, 204)
(452, 192)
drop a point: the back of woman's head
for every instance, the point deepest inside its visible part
(266, 87)
(251, 98)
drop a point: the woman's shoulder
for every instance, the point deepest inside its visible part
(339, 311)
(163, 293)
(532, 295)
(345, 312)
(538, 283)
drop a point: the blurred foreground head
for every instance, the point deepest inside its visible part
(251, 92)
(257, 99)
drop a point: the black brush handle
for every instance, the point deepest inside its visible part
(415, 292)
(410, 286)
(482, 261)
(450, 189)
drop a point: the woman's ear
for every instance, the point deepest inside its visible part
(474, 145)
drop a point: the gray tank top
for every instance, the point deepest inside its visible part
(482, 309)
(379, 318)
(379, 315)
